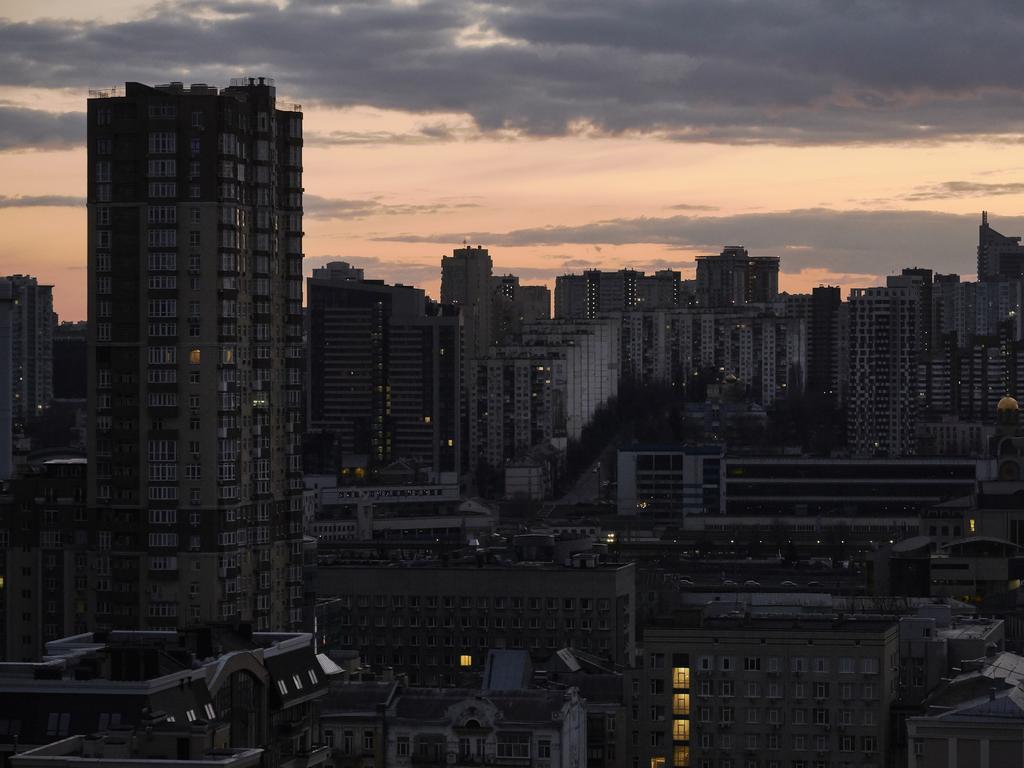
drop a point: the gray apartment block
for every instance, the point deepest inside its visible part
(431, 621)
(765, 692)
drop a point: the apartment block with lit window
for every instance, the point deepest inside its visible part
(384, 372)
(432, 620)
(195, 355)
(32, 325)
(764, 692)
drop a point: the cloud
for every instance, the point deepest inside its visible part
(430, 133)
(877, 242)
(691, 207)
(22, 128)
(317, 207)
(775, 71)
(41, 201)
(961, 189)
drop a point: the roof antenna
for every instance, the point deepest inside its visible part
(984, 218)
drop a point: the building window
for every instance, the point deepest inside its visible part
(513, 745)
(680, 677)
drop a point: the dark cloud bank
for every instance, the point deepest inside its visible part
(860, 242)
(776, 71)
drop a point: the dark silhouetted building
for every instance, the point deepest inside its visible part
(430, 619)
(70, 356)
(32, 321)
(384, 371)
(999, 256)
(515, 304)
(195, 356)
(883, 378)
(466, 282)
(734, 277)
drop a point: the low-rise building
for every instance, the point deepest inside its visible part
(352, 722)
(253, 690)
(433, 619)
(155, 743)
(778, 690)
(405, 512)
(669, 482)
(985, 729)
(540, 728)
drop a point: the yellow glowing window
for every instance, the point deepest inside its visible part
(426, 419)
(450, 442)
(680, 730)
(681, 757)
(970, 524)
(466, 660)
(194, 356)
(680, 677)
(680, 704)
(657, 762)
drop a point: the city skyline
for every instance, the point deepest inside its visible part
(848, 177)
(558, 384)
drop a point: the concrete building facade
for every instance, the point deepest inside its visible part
(384, 371)
(195, 355)
(883, 376)
(779, 691)
(32, 324)
(429, 620)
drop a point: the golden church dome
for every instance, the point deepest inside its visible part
(1007, 404)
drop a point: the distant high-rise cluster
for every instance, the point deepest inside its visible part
(598, 292)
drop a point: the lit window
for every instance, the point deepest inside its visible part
(194, 356)
(680, 675)
(466, 660)
(970, 524)
(681, 704)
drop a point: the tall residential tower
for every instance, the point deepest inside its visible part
(32, 322)
(195, 356)
(384, 372)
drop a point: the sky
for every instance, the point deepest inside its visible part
(851, 139)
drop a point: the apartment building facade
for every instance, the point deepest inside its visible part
(765, 691)
(196, 364)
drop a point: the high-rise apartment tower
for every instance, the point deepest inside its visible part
(466, 282)
(195, 356)
(384, 372)
(32, 322)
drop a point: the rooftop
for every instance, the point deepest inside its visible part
(533, 706)
(124, 749)
(740, 621)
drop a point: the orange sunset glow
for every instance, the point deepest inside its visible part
(395, 180)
